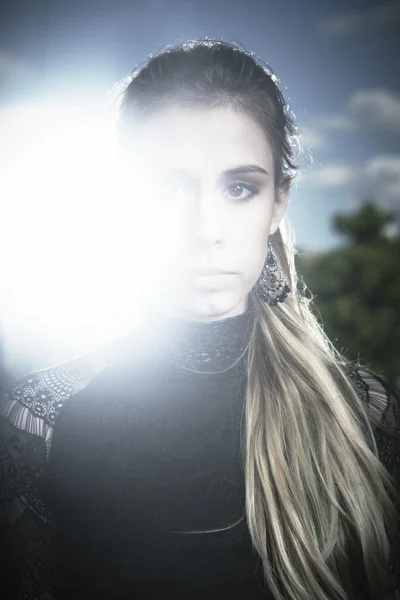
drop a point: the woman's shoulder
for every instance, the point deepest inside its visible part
(383, 404)
(382, 397)
(33, 402)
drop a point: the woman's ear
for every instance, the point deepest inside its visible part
(280, 204)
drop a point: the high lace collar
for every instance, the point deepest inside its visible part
(203, 347)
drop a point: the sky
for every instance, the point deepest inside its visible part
(337, 63)
(338, 67)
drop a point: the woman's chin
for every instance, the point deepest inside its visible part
(205, 306)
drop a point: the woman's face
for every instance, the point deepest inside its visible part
(207, 180)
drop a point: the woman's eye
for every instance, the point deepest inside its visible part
(242, 191)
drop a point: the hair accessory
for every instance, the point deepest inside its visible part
(271, 284)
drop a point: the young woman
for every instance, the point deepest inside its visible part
(223, 448)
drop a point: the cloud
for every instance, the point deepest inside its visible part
(375, 110)
(382, 173)
(311, 138)
(329, 177)
(335, 122)
(378, 179)
(384, 17)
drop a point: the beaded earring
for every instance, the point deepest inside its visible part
(271, 284)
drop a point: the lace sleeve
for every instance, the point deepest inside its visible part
(26, 526)
(28, 412)
(384, 402)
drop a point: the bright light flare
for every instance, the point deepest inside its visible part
(78, 237)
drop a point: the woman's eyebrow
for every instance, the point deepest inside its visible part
(241, 169)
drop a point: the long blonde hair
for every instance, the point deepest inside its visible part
(312, 474)
(314, 483)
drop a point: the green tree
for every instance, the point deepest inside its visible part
(356, 289)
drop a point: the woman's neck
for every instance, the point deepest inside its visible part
(203, 346)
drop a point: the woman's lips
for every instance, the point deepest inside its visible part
(210, 279)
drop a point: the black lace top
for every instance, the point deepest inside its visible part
(113, 464)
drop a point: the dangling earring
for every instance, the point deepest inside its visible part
(271, 285)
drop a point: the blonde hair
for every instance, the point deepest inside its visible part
(312, 475)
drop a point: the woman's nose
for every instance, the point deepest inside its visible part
(208, 221)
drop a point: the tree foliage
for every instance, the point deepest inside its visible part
(356, 289)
